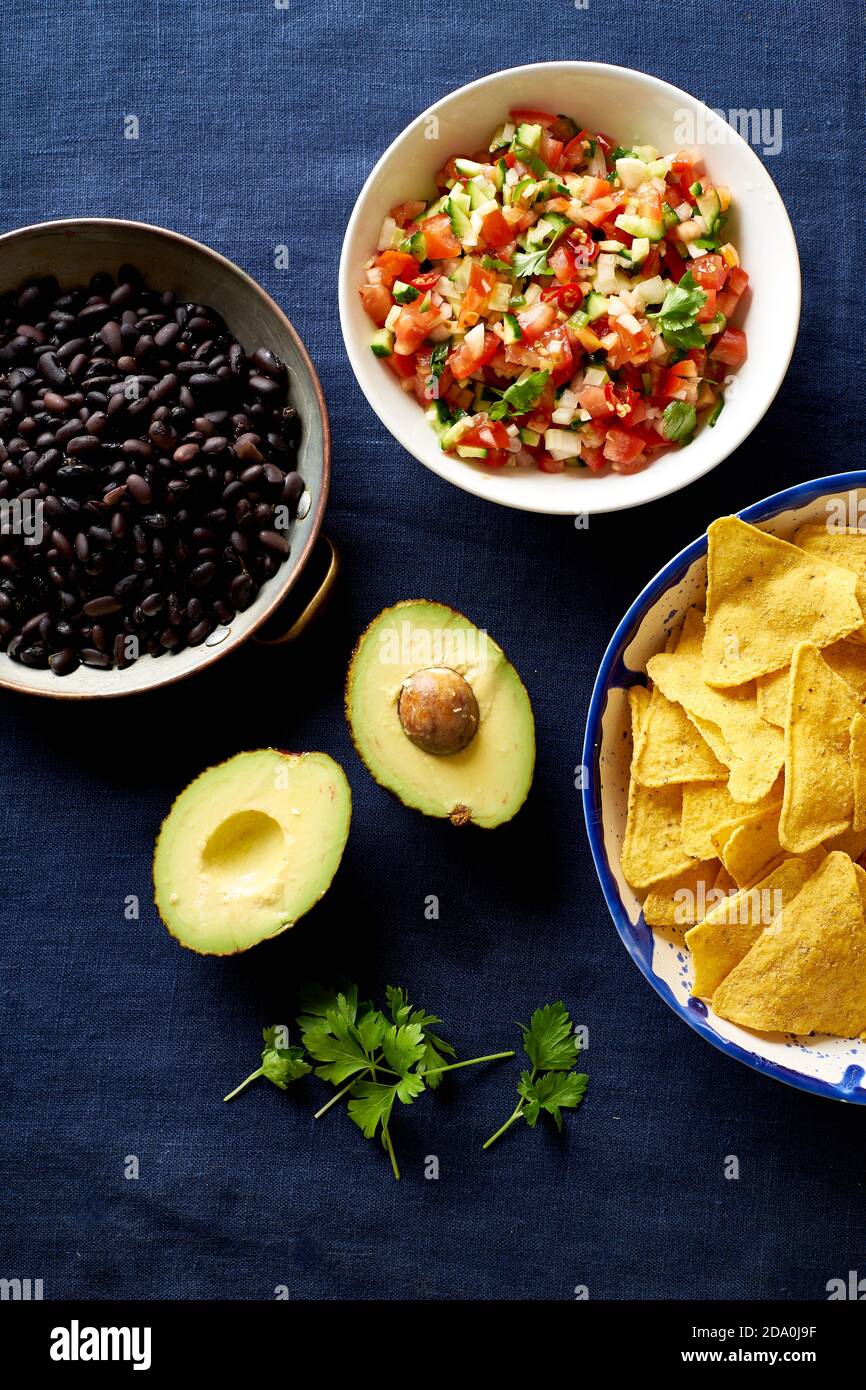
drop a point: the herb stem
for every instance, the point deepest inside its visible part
(337, 1096)
(452, 1066)
(518, 1111)
(260, 1071)
(390, 1147)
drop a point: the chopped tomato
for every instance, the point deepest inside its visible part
(495, 230)
(406, 212)
(550, 351)
(624, 450)
(563, 263)
(735, 285)
(731, 348)
(396, 265)
(463, 362)
(377, 302)
(550, 150)
(427, 386)
(707, 310)
(402, 366)
(535, 320)
(636, 346)
(486, 434)
(548, 464)
(415, 323)
(439, 240)
(710, 272)
(652, 264)
(593, 458)
(673, 262)
(649, 203)
(477, 296)
(680, 382)
(597, 400)
(594, 188)
(527, 115)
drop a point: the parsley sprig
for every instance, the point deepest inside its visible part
(280, 1063)
(520, 397)
(552, 1085)
(677, 317)
(376, 1057)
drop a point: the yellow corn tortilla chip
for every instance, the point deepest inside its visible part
(638, 704)
(860, 875)
(818, 801)
(764, 597)
(711, 815)
(843, 546)
(730, 929)
(750, 748)
(772, 693)
(848, 660)
(807, 972)
(858, 770)
(679, 902)
(652, 846)
(671, 749)
(724, 883)
(850, 842)
(751, 850)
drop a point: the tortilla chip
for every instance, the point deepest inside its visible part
(850, 842)
(842, 546)
(671, 749)
(730, 929)
(652, 846)
(764, 597)
(681, 901)
(711, 815)
(724, 883)
(819, 786)
(858, 770)
(807, 972)
(750, 748)
(773, 696)
(848, 660)
(751, 850)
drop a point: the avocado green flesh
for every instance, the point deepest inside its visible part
(249, 847)
(488, 781)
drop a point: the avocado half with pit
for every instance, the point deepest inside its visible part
(439, 715)
(249, 847)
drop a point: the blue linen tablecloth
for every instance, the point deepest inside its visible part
(257, 125)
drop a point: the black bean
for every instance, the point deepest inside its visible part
(92, 657)
(274, 541)
(139, 488)
(52, 370)
(202, 575)
(64, 662)
(103, 606)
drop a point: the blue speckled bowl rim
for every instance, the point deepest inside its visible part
(637, 937)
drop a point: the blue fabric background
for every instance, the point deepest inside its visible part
(257, 126)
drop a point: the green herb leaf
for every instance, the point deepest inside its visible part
(549, 1041)
(677, 317)
(280, 1064)
(678, 420)
(438, 358)
(554, 1091)
(520, 397)
(531, 263)
(553, 1086)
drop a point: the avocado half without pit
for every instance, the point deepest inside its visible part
(249, 847)
(439, 715)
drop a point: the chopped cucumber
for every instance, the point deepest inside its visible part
(458, 211)
(528, 137)
(439, 416)
(530, 438)
(710, 208)
(595, 306)
(513, 331)
(716, 411)
(640, 226)
(465, 452)
(454, 432)
(468, 167)
(403, 293)
(382, 342)
(669, 217)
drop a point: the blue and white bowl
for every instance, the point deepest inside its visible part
(834, 1067)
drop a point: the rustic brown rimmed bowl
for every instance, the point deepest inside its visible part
(73, 250)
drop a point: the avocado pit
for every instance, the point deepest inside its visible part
(438, 710)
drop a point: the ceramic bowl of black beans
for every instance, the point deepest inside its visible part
(164, 458)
